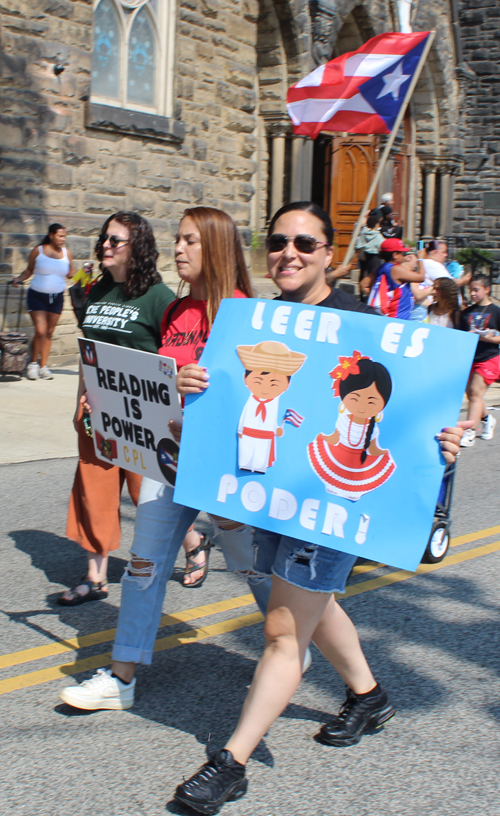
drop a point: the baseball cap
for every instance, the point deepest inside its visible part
(394, 245)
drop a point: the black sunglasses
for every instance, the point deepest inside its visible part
(305, 244)
(114, 240)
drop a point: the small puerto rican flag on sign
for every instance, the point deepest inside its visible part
(361, 91)
(293, 418)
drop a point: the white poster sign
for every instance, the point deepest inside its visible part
(133, 397)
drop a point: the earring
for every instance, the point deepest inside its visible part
(341, 408)
(379, 416)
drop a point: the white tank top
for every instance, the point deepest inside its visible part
(50, 273)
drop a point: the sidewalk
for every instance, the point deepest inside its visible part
(36, 416)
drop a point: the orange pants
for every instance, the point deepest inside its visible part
(94, 505)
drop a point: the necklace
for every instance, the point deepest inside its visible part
(188, 336)
(355, 444)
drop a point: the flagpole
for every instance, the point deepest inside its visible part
(387, 149)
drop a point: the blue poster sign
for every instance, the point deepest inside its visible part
(320, 424)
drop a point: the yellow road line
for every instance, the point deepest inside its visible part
(71, 644)
(468, 537)
(403, 575)
(98, 661)
(193, 636)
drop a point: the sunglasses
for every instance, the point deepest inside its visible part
(305, 244)
(114, 241)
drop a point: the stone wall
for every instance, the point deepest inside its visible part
(477, 190)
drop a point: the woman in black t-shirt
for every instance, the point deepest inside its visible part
(482, 318)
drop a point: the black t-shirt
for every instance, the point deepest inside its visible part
(472, 318)
(338, 299)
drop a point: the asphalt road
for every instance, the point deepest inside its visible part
(432, 641)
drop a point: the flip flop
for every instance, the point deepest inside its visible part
(95, 593)
(192, 566)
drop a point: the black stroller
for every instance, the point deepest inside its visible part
(439, 539)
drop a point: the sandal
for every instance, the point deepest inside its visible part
(96, 593)
(192, 566)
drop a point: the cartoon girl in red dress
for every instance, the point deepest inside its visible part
(349, 461)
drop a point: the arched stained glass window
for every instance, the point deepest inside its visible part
(141, 81)
(107, 51)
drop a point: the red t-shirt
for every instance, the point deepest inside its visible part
(184, 329)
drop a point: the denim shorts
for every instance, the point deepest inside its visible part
(309, 566)
(42, 302)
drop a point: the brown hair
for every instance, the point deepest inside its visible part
(141, 268)
(449, 294)
(222, 261)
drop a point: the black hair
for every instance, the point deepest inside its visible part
(141, 271)
(387, 256)
(481, 278)
(369, 372)
(431, 246)
(306, 206)
(51, 231)
(249, 371)
(373, 219)
(386, 211)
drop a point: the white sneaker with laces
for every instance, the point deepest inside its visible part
(33, 371)
(468, 439)
(488, 427)
(101, 691)
(46, 373)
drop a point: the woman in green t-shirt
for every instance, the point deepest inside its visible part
(124, 307)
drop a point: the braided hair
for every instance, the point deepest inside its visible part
(369, 372)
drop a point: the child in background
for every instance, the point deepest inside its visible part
(482, 318)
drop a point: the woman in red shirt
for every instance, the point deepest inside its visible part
(186, 323)
(209, 259)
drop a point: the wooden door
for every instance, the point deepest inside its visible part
(352, 169)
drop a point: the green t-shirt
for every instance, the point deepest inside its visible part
(134, 323)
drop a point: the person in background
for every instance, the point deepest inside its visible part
(50, 263)
(482, 318)
(368, 245)
(129, 281)
(390, 293)
(390, 226)
(444, 310)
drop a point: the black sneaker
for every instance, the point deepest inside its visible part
(356, 716)
(220, 780)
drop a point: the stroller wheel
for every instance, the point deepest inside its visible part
(437, 546)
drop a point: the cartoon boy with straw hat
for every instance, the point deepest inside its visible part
(269, 367)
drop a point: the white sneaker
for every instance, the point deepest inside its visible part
(101, 691)
(33, 371)
(488, 427)
(468, 439)
(307, 660)
(46, 373)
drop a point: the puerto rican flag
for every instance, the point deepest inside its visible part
(293, 418)
(359, 92)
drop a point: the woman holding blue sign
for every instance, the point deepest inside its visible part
(302, 605)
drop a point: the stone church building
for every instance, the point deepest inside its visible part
(157, 105)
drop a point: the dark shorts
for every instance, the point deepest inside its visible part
(41, 302)
(308, 566)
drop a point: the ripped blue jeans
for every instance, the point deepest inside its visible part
(308, 566)
(160, 528)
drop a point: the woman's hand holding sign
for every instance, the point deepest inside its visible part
(192, 379)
